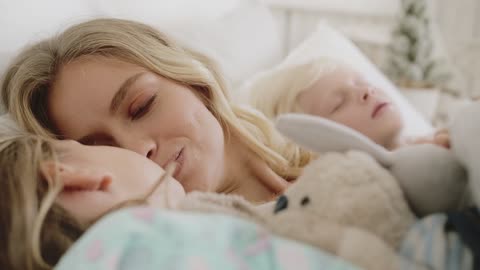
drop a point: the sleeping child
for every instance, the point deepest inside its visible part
(330, 89)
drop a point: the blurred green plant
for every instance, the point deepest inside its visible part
(411, 61)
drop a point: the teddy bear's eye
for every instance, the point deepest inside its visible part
(305, 200)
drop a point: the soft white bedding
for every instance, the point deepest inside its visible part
(245, 36)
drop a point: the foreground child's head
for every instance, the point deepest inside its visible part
(51, 191)
(330, 89)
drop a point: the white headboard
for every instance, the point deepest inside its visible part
(369, 23)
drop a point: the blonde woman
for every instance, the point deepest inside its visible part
(331, 89)
(121, 83)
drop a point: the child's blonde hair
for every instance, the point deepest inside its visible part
(26, 84)
(276, 91)
(37, 230)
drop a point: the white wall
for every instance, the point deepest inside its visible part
(370, 7)
(459, 24)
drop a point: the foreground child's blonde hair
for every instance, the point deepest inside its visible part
(276, 91)
(36, 231)
(26, 85)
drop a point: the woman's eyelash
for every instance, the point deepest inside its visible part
(144, 109)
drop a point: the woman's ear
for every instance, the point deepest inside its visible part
(75, 178)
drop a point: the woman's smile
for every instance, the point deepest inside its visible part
(180, 160)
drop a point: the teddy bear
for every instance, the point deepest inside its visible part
(346, 204)
(433, 179)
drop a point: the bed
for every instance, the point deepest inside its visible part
(248, 38)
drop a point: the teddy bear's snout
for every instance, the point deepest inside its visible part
(282, 204)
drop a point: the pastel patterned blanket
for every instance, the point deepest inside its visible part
(145, 238)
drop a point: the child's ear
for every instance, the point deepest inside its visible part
(75, 177)
(50, 170)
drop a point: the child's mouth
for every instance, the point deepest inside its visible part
(378, 108)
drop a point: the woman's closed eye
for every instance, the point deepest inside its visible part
(141, 108)
(97, 139)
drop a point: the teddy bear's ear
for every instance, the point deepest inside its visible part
(323, 135)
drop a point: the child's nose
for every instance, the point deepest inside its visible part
(366, 93)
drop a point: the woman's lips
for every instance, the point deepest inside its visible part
(378, 108)
(179, 159)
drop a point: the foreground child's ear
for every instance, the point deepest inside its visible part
(75, 178)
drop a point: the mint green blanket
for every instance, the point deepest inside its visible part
(145, 238)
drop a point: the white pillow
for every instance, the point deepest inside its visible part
(326, 41)
(8, 126)
(26, 21)
(244, 41)
(240, 34)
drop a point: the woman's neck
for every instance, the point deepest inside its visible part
(250, 177)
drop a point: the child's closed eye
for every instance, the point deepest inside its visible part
(338, 104)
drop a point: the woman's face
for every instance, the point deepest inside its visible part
(104, 101)
(97, 178)
(344, 96)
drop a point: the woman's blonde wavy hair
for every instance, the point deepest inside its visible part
(36, 231)
(27, 82)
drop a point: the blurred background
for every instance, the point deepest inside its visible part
(429, 49)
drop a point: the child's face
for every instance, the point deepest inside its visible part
(97, 178)
(344, 96)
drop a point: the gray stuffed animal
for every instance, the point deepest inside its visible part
(433, 179)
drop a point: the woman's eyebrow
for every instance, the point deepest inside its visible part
(122, 92)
